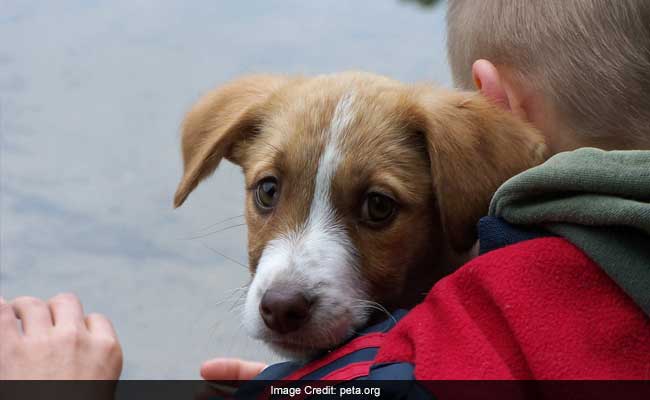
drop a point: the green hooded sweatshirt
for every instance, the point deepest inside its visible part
(599, 201)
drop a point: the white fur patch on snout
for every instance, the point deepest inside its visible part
(319, 262)
(318, 258)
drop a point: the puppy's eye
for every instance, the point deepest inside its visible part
(266, 194)
(378, 209)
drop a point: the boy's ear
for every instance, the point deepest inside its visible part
(474, 146)
(488, 82)
(219, 120)
(499, 89)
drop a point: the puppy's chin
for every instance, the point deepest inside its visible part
(304, 347)
(320, 334)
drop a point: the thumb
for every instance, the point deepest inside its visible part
(230, 369)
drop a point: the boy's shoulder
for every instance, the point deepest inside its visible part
(536, 309)
(598, 200)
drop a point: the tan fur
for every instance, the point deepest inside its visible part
(474, 147)
(216, 122)
(441, 154)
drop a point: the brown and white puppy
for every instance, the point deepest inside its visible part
(360, 190)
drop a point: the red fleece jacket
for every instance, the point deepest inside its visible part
(539, 309)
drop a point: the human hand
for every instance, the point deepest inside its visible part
(227, 371)
(230, 369)
(56, 342)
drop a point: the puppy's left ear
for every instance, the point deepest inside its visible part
(474, 147)
(217, 122)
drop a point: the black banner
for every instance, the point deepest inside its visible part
(299, 390)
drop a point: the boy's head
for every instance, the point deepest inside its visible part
(579, 70)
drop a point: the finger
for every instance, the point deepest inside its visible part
(8, 321)
(66, 310)
(100, 325)
(33, 313)
(230, 369)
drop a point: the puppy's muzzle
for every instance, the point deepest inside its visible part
(284, 309)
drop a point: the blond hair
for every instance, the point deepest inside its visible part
(589, 58)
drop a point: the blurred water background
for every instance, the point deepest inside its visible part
(91, 97)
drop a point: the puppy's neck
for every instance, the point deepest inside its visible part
(421, 280)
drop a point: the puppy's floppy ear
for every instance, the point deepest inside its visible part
(474, 146)
(219, 120)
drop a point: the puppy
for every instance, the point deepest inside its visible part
(361, 192)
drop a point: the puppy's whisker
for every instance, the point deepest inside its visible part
(213, 232)
(219, 223)
(238, 288)
(219, 303)
(226, 256)
(374, 306)
(230, 295)
(236, 309)
(378, 307)
(254, 248)
(241, 300)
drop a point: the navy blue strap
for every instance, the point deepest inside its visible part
(494, 233)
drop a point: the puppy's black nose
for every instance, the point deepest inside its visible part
(284, 310)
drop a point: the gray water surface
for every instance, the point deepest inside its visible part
(91, 97)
